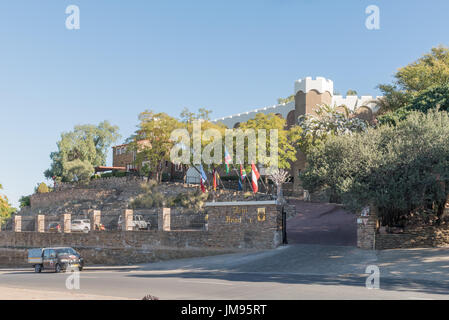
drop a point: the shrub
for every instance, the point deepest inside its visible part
(42, 188)
(398, 169)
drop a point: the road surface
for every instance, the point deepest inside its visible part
(291, 272)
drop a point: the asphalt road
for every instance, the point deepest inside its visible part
(292, 272)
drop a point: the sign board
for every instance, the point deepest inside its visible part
(261, 214)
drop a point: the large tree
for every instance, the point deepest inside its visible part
(152, 143)
(80, 150)
(287, 138)
(329, 121)
(432, 69)
(5, 208)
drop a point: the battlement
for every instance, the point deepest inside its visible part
(319, 84)
(354, 102)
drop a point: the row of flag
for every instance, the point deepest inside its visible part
(255, 175)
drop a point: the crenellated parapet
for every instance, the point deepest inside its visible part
(319, 84)
(355, 102)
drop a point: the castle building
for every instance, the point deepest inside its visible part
(308, 94)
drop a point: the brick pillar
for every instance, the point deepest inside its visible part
(17, 223)
(367, 223)
(40, 223)
(67, 222)
(163, 219)
(128, 220)
(95, 220)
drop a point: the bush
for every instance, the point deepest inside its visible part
(398, 169)
(192, 200)
(42, 188)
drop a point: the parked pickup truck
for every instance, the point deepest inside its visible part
(55, 259)
(138, 223)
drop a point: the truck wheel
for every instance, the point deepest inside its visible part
(37, 268)
(58, 268)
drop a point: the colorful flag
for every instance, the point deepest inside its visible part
(240, 185)
(254, 178)
(227, 160)
(203, 179)
(215, 180)
(242, 173)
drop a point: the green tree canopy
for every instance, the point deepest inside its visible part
(287, 138)
(430, 70)
(151, 142)
(329, 121)
(397, 168)
(80, 150)
(5, 208)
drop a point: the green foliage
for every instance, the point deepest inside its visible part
(286, 100)
(24, 201)
(434, 97)
(152, 141)
(287, 138)
(351, 92)
(5, 208)
(149, 198)
(192, 200)
(430, 70)
(80, 150)
(42, 188)
(398, 169)
(329, 121)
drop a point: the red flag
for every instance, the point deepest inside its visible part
(202, 186)
(255, 177)
(215, 181)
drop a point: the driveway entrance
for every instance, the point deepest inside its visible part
(321, 223)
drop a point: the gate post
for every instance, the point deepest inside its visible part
(40, 223)
(17, 223)
(163, 218)
(128, 220)
(67, 222)
(96, 219)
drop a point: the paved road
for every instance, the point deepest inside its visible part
(321, 223)
(291, 272)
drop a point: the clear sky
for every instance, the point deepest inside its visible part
(228, 56)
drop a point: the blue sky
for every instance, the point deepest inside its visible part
(228, 56)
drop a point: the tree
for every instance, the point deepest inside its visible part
(5, 208)
(434, 97)
(279, 177)
(286, 100)
(80, 150)
(430, 70)
(329, 121)
(398, 168)
(42, 188)
(151, 142)
(24, 201)
(287, 139)
(351, 92)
